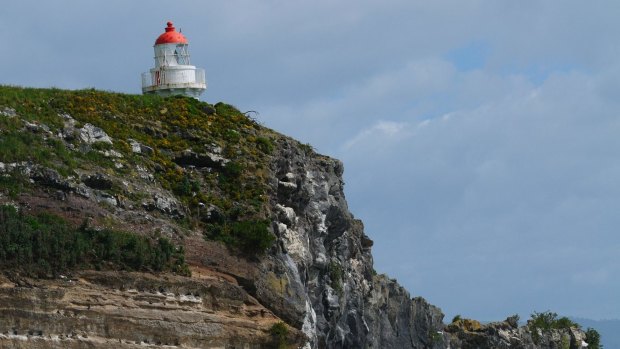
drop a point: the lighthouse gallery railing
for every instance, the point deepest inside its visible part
(175, 77)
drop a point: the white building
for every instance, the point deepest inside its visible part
(173, 73)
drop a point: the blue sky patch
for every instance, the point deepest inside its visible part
(469, 57)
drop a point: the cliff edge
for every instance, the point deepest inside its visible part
(139, 221)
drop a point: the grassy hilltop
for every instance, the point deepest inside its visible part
(41, 126)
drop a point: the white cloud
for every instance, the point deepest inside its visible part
(475, 185)
(526, 176)
(377, 134)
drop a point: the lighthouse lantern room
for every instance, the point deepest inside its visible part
(173, 73)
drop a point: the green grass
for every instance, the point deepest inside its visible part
(265, 145)
(16, 146)
(167, 125)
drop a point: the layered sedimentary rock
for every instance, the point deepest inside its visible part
(130, 310)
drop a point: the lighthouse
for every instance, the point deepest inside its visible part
(173, 73)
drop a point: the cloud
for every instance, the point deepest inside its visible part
(479, 138)
(522, 187)
(382, 130)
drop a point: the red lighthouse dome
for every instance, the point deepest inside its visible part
(171, 36)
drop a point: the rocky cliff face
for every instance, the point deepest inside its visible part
(190, 171)
(324, 256)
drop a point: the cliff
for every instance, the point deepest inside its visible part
(226, 235)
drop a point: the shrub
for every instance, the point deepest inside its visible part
(186, 186)
(225, 109)
(565, 342)
(231, 172)
(306, 148)
(593, 338)
(279, 333)
(264, 144)
(232, 136)
(13, 183)
(335, 276)
(546, 321)
(45, 245)
(549, 320)
(252, 237)
(566, 323)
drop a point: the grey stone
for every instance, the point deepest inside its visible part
(188, 158)
(139, 148)
(103, 197)
(8, 112)
(50, 178)
(165, 204)
(83, 191)
(91, 134)
(111, 153)
(35, 127)
(135, 146)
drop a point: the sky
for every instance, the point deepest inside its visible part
(480, 138)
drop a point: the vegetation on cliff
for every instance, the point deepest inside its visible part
(279, 333)
(45, 245)
(213, 158)
(106, 182)
(544, 322)
(593, 338)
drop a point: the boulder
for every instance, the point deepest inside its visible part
(91, 134)
(140, 148)
(8, 112)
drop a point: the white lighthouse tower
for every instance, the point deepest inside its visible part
(173, 73)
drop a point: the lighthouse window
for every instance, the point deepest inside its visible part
(181, 55)
(176, 57)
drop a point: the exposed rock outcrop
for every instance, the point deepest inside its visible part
(190, 158)
(91, 134)
(470, 334)
(317, 277)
